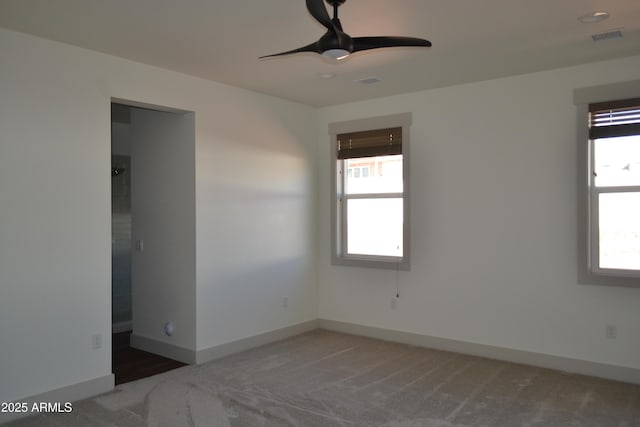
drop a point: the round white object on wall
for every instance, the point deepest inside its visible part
(168, 328)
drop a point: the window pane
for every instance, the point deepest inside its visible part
(374, 227)
(617, 161)
(382, 174)
(619, 228)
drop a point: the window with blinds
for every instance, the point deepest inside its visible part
(614, 134)
(370, 224)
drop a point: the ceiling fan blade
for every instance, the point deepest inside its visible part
(367, 43)
(313, 47)
(317, 9)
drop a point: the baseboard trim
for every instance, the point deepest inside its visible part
(576, 366)
(227, 349)
(191, 357)
(71, 393)
(121, 327)
(171, 351)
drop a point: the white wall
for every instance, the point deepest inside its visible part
(163, 212)
(256, 220)
(493, 232)
(255, 198)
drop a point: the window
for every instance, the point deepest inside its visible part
(370, 204)
(604, 191)
(614, 188)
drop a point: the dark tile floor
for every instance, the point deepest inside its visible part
(131, 364)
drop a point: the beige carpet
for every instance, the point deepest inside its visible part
(328, 379)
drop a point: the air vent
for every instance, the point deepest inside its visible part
(368, 80)
(613, 34)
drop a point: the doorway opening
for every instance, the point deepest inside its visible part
(132, 296)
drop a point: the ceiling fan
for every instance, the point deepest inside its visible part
(337, 44)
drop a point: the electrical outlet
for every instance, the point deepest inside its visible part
(285, 302)
(394, 303)
(611, 331)
(96, 341)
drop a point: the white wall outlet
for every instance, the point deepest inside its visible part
(611, 331)
(96, 341)
(285, 302)
(140, 245)
(394, 303)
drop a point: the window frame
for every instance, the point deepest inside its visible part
(589, 271)
(338, 213)
(594, 205)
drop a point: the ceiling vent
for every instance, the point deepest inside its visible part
(613, 34)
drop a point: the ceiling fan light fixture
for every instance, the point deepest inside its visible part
(336, 54)
(336, 44)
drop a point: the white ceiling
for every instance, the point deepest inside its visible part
(221, 40)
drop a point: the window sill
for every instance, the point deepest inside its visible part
(381, 262)
(608, 277)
